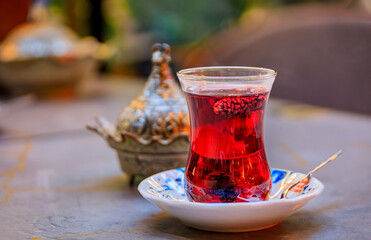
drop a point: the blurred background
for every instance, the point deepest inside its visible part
(69, 49)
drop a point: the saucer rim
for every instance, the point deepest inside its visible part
(152, 198)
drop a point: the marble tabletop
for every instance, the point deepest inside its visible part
(60, 181)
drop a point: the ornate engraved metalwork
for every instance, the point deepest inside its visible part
(152, 132)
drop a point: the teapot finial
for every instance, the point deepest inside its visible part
(161, 54)
(38, 12)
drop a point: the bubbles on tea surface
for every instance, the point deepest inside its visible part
(233, 106)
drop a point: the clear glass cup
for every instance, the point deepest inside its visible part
(227, 160)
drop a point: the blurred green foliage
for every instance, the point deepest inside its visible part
(184, 21)
(73, 13)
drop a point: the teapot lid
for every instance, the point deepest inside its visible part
(160, 113)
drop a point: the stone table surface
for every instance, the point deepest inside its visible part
(59, 181)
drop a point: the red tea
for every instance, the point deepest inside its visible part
(227, 161)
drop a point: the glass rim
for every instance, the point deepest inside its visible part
(194, 73)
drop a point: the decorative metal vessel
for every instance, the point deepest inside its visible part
(152, 132)
(40, 55)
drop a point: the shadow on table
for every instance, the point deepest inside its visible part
(298, 226)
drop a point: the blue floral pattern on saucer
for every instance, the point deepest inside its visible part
(170, 184)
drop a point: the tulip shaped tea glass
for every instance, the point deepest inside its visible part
(227, 161)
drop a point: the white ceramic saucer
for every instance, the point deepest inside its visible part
(166, 190)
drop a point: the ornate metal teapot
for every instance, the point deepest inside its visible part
(152, 132)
